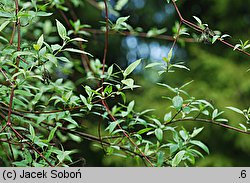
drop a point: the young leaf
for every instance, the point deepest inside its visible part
(4, 25)
(200, 144)
(184, 135)
(177, 158)
(153, 65)
(131, 67)
(129, 82)
(112, 126)
(77, 51)
(168, 117)
(177, 102)
(19, 53)
(196, 132)
(32, 132)
(79, 39)
(243, 127)
(235, 110)
(215, 38)
(61, 30)
(198, 20)
(51, 134)
(160, 159)
(159, 134)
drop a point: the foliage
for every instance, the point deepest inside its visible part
(42, 108)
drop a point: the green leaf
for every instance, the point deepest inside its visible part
(237, 46)
(69, 119)
(108, 90)
(64, 155)
(186, 109)
(130, 106)
(144, 130)
(61, 30)
(196, 132)
(154, 32)
(129, 84)
(64, 59)
(214, 114)
(243, 127)
(169, 57)
(235, 110)
(184, 135)
(198, 20)
(215, 38)
(23, 93)
(112, 126)
(200, 144)
(6, 14)
(168, 117)
(85, 102)
(160, 159)
(177, 102)
(153, 65)
(79, 39)
(4, 24)
(20, 53)
(39, 43)
(110, 70)
(178, 158)
(224, 36)
(77, 51)
(32, 132)
(180, 66)
(43, 14)
(159, 134)
(131, 67)
(52, 58)
(51, 134)
(55, 47)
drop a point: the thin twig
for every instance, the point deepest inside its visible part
(197, 28)
(103, 101)
(31, 145)
(207, 121)
(137, 34)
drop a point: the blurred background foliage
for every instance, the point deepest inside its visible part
(219, 74)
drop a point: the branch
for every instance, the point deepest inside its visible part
(137, 34)
(208, 121)
(197, 28)
(103, 100)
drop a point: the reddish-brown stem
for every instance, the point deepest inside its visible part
(210, 122)
(137, 34)
(29, 144)
(177, 36)
(125, 134)
(197, 28)
(17, 61)
(177, 10)
(10, 105)
(103, 100)
(106, 38)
